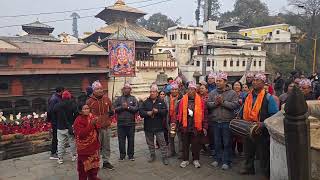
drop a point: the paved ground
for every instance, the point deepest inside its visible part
(39, 167)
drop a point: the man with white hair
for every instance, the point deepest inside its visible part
(126, 107)
(101, 107)
(154, 110)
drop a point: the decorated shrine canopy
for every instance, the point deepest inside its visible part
(122, 58)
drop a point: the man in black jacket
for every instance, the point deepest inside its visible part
(65, 113)
(54, 99)
(154, 110)
(126, 107)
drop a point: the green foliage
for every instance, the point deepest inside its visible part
(284, 64)
(158, 23)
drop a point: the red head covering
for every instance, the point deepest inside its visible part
(66, 95)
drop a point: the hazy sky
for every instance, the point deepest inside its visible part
(174, 9)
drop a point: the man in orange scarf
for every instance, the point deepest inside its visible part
(222, 104)
(258, 106)
(192, 123)
(172, 102)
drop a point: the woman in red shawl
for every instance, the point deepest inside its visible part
(85, 130)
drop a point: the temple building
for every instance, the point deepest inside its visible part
(228, 51)
(33, 65)
(121, 24)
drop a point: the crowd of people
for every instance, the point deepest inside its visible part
(181, 117)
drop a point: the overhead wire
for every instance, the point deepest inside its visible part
(67, 19)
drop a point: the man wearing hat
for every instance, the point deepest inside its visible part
(249, 80)
(101, 107)
(154, 110)
(258, 106)
(172, 102)
(222, 104)
(306, 88)
(192, 123)
(65, 114)
(211, 82)
(126, 107)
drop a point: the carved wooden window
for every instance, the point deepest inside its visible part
(4, 60)
(37, 61)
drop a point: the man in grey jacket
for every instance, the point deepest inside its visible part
(221, 105)
(126, 107)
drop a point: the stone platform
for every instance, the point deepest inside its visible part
(39, 167)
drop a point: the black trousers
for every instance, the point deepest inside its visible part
(126, 133)
(258, 148)
(54, 142)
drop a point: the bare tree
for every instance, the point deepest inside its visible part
(311, 9)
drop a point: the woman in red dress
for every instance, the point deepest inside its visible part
(86, 134)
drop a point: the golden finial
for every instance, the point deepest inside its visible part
(120, 3)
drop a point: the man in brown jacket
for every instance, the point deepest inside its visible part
(101, 107)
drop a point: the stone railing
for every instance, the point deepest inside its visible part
(278, 158)
(156, 64)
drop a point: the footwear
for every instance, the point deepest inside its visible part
(247, 172)
(184, 164)
(215, 164)
(53, 157)
(225, 167)
(152, 159)
(131, 159)
(107, 165)
(73, 158)
(196, 164)
(60, 161)
(121, 159)
(165, 161)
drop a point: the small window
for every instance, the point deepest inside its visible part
(65, 61)
(225, 63)
(37, 61)
(278, 32)
(160, 50)
(208, 63)
(93, 62)
(185, 36)
(188, 36)
(231, 63)
(254, 63)
(198, 63)
(260, 63)
(238, 63)
(173, 50)
(181, 36)
(245, 34)
(212, 63)
(4, 60)
(243, 63)
(175, 36)
(4, 88)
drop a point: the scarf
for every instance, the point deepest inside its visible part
(250, 111)
(198, 112)
(172, 112)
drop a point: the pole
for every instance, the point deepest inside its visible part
(205, 39)
(297, 136)
(114, 81)
(315, 54)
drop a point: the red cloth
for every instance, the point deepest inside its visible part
(66, 95)
(86, 135)
(100, 107)
(91, 174)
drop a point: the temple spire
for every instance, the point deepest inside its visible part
(120, 3)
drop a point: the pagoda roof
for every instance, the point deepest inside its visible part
(120, 11)
(110, 29)
(37, 26)
(128, 34)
